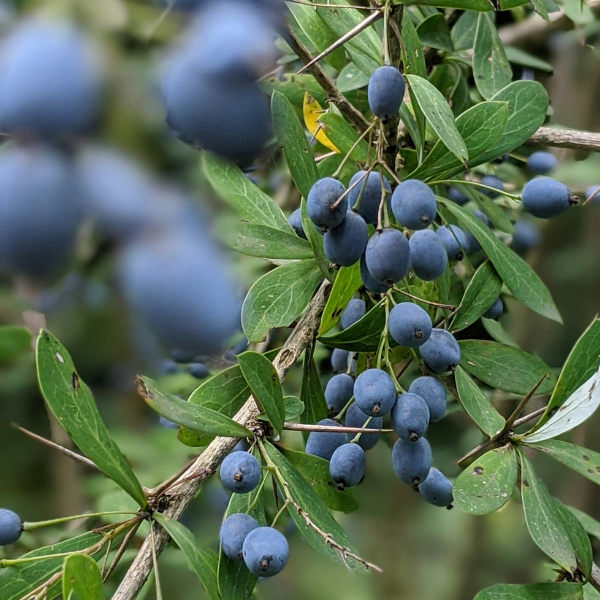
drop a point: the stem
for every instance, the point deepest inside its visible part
(347, 156)
(37, 524)
(356, 438)
(429, 302)
(346, 192)
(343, 411)
(258, 492)
(386, 21)
(280, 512)
(476, 184)
(159, 595)
(513, 417)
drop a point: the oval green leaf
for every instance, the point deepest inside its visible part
(347, 281)
(13, 341)
(81, 576)
(533, 591)
(266, 242)
(311, 393)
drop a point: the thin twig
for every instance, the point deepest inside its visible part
(429, 302)
(513, 417)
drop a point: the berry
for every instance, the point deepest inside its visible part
(441, 351)
(525, 237)
(347, 465)
(182, 356)
(436, 489)
(494, 311)
(369, 191)
(493, 182)
(240, 472)
(198, 370)
(295, 220)
(545, 198)
(234, 531)
(434, 394)
(265, 551)
(162, 421)
(374, 392)
(413, 204)
(11, 527)
(411, 460)
(355, 417)
(338, 391)
(339, 360)
(454, 240)
(593, 192)
(354, 311)
(388, 255)
(428, 256)
(324, 443)
(385, 92)
(456, 196)
(373, 285)
(345, 244)
(321, 198)
(410, 417)
(472, 244)
(409, 325)
(168, 367)
(541, 163)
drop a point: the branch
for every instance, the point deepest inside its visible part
(594, 579)
(182, 492)
(566, 138)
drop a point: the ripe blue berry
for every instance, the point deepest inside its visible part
(265, 551)
(168, 367)
(472, 244)
(441, 351)
(354, 311)
(410, 417)
(345, 244)
(338, 391)
(324, 443)
(373, 285)
(541, 163)
(321, 198)
(11, 527)
(454, 240)
(182, 356)
(493, 182)
(295, 220)
(240, 472)
(456, 196)
(413, 204)
(436, 489)
(233, 532)
(339, 360)
(494, 311)
(388, 255)
(428, 256)
(356, 418)
(545, 198)
(347, 465)
(370, 192)
(374, 392)
(525, 237)
(434, 394)
(411, 460)
(198, 370)
(385, 92)
(409, 325)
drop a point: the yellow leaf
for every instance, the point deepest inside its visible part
(311, 110)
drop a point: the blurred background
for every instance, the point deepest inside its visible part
(426, 553)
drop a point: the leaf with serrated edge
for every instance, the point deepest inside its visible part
(266, 242)
(579, 407)
(487, 484)
(344, 287)
(71, 402)
(82, 578)
(476, 405)
(533, 591)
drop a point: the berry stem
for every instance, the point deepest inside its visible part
(30, 526)
(356, 143)
(476, 184)
(429, 302)
(356, 438)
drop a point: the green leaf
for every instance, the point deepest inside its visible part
(578, 536)
(463, 32)
(292, 139)
(266, 242)
(248, 200)
(311, 394)
(262, 377)
(347, 281)
(316, 472)
(293, 87)
(351, 78)
(71, 402)
(20, 580)
(476, 405)
(578, 407)
(202, 561)
(344, 136)
(498, 218)
(543, 520)
(439, 115)
(497, 332)
(81, 577)
(362, 336)
(293, 406)
(487, 484)
(279, 298)
(482, 291)
(306, 498)
(533, 591)
(192, 416)
(316, 241)
(491, 69)
(540, 8)
(434, 32)
(505, 368)
(13, 341)
(520, 57)
(591, 526)
(480, 126)
(517, 275)
(478, 5)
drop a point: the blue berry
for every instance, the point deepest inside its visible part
(321, 198)
(182, 356)
(295, 220)
(240, 472)
(324, 443)
(265, 551)
(454, 240)
(369, 191)
(233, 532)
(412, 460)
(373, 285)
(494, 311)
(545, 198)
(493, 182)
(355, 417)
(428, 256)
(434, 394)
(347, 465)
(456, 196)
(413, 204)
(385, 92)
(168, 367)
(525, 237)
(11, 527)
(409, 325)
(541, 163)
(345, 244)
(410, 417)
(339, 360)
(436, 489)
(354, 311)
(472, 244)
(198, 370)
(374, 392)
(388, 255)
(338, 391)
(441, 351)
